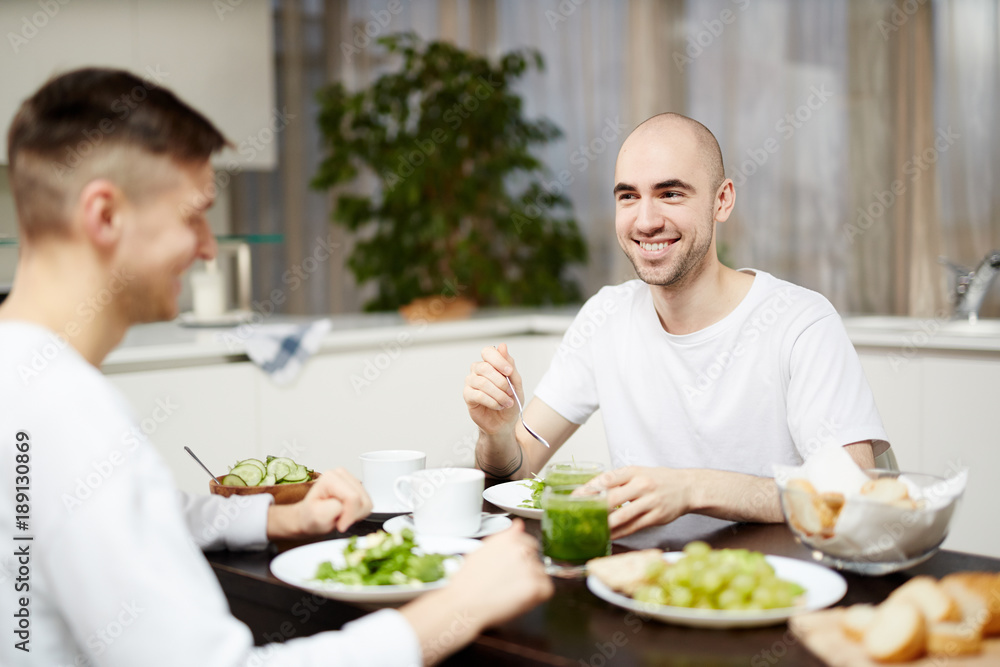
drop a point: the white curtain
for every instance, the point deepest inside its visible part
(769, 79)
(967, 99)
(582, 91)
(817, 105)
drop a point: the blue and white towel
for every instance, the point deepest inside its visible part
(282, 349)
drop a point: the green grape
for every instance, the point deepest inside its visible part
(764, 597)
(712, 581)
(682, 572)
(697, 549)
(657, 570)
(730, 599)
(732, 579)
(783, 597)
(653, 594)
(680, 596)
(743, 582)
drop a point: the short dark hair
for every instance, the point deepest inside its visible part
(85, 113)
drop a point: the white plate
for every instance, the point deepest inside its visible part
(491, 523)
(511, 494)
(298, 567)
(230, 318)
(823, 587)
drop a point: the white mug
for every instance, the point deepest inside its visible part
(379, 471)
(445, 501)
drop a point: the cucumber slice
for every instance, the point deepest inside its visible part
(251, 474)
(300, 474)
(268, 481)
(233, 480)
(280, 467)
(253, 462)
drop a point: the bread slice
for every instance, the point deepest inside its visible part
(972, 603)
(886, 490)
(897, 634)
(625, 572)
(985, 586)
(856, 620)
(803, 507)
(930, 598)
(833, 500)
(951, 639)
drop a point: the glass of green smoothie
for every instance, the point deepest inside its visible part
(574, 528)
(563, 473)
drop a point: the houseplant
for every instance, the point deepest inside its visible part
(458, 207)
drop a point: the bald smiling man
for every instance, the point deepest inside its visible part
(706, 376)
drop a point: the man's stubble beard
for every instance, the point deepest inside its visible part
(676, 270)
(147, 300)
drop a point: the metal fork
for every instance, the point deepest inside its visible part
(521, 408)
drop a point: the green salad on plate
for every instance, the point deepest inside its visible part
(384, 559)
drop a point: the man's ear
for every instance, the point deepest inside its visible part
(101, 204)
(725, 199)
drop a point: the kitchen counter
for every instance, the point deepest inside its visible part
(164, 344)
(912, 333)
(168, 343)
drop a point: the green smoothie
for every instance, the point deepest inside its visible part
(565, 474)
(574, 528)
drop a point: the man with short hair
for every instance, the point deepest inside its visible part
(706, 376)
(116, 578)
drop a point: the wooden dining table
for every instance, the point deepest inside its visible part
(574, 627)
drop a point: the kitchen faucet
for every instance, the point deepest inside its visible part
(971, 286)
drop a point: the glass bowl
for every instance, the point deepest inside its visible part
(870, 536)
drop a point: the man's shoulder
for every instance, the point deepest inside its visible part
(800, 300)
(46, 380)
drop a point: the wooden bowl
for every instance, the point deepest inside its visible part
(284, 494)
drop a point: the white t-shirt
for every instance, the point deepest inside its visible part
(771, 382)
(113, 569)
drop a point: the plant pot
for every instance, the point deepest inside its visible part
(437, 309)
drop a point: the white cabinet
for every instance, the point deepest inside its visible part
(938, 409)
(897, 394)
(345, 402)
(217, 56)
(959, 396)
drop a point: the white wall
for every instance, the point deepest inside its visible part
(220, 62)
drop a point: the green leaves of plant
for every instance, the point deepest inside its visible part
(435, 174)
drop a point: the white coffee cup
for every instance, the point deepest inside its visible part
(379, 471)
(445, 501)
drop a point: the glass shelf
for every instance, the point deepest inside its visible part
(237, 244)
(251, 239)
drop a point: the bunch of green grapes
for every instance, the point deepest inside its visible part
(735, 579)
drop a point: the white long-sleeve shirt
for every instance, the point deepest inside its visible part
(113, 572)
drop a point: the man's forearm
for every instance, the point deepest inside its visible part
(501, 456)
(735, 496)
